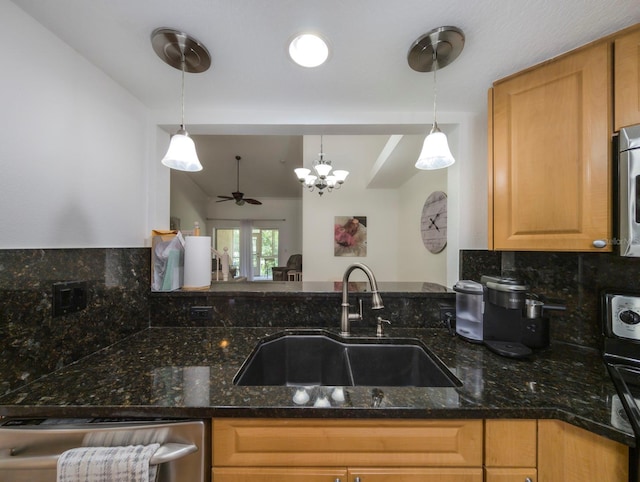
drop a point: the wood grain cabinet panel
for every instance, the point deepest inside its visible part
(570, 454)
(279, 474)
(510, 443)
(415, 475)
(319, 443)
(627, 79)
(550, 145)
(511, 475)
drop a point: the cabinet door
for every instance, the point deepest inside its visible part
(268, 474)
(414, 475)
(335, 442)
(510, 443)
(551, 155)
(570, 454)
(511, 475)
(627, 80)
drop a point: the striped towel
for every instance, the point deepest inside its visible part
(108, 464)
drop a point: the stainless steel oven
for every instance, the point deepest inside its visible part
(29, 447)
(621, 328)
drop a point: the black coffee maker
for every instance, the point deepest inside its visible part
(513, 321)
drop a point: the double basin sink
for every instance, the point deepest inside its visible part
(318, 357)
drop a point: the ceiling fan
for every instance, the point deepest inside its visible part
(238, 196)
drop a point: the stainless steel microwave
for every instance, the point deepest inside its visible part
(629, 191)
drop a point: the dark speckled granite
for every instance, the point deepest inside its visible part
(32, 341)
(575, 278)
(408, 305)
(188, 372)
(159, 362)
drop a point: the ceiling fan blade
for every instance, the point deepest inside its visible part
(252, 201)
(224, 198)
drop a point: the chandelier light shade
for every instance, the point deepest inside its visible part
(321, 178)
(436, 49)
(185, 53)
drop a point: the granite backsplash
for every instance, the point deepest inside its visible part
(119, 302)
(32, 341)
(577, 279)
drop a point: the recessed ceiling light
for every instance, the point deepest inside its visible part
(308, 50)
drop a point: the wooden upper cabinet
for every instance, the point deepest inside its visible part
(550, 167)
(627, 79)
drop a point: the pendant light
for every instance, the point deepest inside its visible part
(185, 53)
(436, 49)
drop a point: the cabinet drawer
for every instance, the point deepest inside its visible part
(510, 443)
(331, 443)
(415, 475)
(268, 474)
(511, 475)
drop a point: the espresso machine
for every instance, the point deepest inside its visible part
(514, 323)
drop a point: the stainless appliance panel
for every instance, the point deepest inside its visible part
(629, 191)
(29, 447)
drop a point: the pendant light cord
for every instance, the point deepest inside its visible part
(182, 64)
(435, 86)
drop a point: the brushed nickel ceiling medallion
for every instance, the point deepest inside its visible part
(174, 47)
(439, 47)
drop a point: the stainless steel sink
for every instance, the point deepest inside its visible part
(322, 358)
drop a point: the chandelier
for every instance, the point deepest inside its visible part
(324, 178)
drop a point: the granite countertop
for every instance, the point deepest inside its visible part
(188, 372)
(296, 288)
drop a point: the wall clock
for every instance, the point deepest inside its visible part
(433, 224)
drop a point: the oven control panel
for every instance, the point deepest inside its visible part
(623, 315)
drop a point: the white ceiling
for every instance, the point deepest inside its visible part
(367, 72)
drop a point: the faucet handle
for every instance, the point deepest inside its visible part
(379, 328)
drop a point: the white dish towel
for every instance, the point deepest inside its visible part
(108, 464)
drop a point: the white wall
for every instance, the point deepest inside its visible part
(380, 206)
(74, 148)
(416, 262)
(188, 202)
(80, 167)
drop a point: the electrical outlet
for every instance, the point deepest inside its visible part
(69, 297)
(201, 313)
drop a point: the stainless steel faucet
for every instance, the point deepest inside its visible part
(376, 304)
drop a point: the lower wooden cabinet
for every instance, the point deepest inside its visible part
(396, 474)
(369, 474)
(319, 450)
(571, 454)
(510, 475)
(510, 450)
(280, 474)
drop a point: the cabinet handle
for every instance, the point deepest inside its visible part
(599, 243)
(528, 479)
(357, 479)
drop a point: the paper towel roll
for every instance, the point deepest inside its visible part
(197, 262)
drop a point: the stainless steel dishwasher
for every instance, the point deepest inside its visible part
(29, 447)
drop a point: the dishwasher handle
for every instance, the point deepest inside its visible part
(166, 453)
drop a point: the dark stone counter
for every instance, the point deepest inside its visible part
(188, 372)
